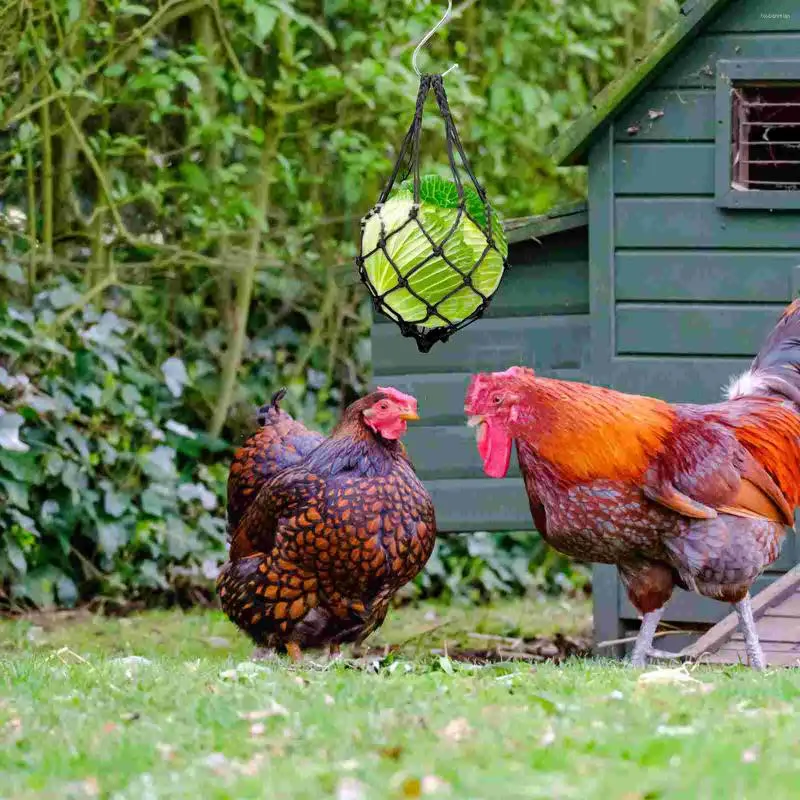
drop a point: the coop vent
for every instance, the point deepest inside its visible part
(766, 138)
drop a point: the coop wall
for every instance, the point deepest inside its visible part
(539, 317)
(683, 292)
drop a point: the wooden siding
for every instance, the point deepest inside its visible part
(696, 69)
(693, 330)
(705, 276)
(540, 318)
(777, 617)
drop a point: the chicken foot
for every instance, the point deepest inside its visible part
(334, 652)
(755, 656)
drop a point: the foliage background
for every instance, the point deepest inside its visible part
(180, 188)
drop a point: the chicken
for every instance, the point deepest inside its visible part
(695, 496)
(324, 531)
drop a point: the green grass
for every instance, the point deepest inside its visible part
(201, 721)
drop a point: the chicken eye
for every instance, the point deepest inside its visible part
(384, 406)
(497, 399)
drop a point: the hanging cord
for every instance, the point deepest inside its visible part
(407, 163)
(435, 326)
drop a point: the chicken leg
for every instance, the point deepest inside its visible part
(294, 651)
(334, 652)
(755, 656)
(643, 648)
(263, 654)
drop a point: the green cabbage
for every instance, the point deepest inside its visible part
(408, 247)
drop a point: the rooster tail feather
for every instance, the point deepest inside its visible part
(775, 371)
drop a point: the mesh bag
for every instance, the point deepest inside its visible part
(458, 239)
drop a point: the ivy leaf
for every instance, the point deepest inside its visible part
(153, 502)
(114, 504)
(175, 375)
(115, 70)
(9, 432)
(13, 272)
(304, 21)
(24, 521)
(163, 99)
(48, 511)
(265, 19)
(189, 80)
(196, 491)
(17, 493)
(180, 429)
(16, 557)
(65, 295)
(194, 176)
(160, 463)
(111, 536)
(74, 10)
(133, 10)
(66, 590)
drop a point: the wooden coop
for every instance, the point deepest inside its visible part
(665, 283)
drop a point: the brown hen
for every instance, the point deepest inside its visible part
(692, 496)
(324, 531)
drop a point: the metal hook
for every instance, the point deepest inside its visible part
(428, 36)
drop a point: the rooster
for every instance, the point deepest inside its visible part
(695, 496)
(324, 531)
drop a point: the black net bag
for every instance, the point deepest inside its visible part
(432, 251)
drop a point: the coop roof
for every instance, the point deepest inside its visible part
(777, 615)
(571, 147)
(556, 220)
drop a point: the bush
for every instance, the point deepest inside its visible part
(106, 493)
(478, 566)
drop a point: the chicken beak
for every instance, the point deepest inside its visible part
(479, 423)
(409, 416)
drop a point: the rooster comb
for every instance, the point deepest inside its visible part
(397, 396)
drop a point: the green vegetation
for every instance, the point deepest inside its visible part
(81, 716)
(182, 183)
(409, 247)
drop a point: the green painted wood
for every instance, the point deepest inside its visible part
(704, 330)
(697, 222)
(664, 169)
(688, 115)
(696, 68)
(789, 554)
(547, 277)
(755, 276)
(691, 607)
(441, 395)
(779, 16)
(571, 147)
(605, 601)
(560, 218)
(728, 72)
(601, 250)
(447, 452)
(676, 380)
(551, 342)
(480, 505)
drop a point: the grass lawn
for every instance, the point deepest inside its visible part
(198, 720)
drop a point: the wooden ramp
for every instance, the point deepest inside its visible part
(777, 613)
